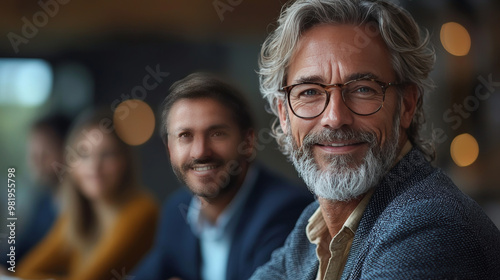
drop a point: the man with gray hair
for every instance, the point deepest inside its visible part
(346, 79)
(234, 211)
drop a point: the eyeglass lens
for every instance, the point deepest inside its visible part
(362, 97)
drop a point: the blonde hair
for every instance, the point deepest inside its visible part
(411, 56)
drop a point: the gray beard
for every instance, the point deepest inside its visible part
(341, 179)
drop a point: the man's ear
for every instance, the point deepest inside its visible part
(250, 138)
(409, 105)
(167, 148)
(282, 115)
(246, 148)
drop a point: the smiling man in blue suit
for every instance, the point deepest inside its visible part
(346, 79)
(235, 212)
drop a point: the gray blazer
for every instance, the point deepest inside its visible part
(417, 225)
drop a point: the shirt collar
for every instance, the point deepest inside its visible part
(353, 220)
(406, 149)
(316, 226)
(227, 220)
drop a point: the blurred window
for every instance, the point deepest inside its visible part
(25, 82)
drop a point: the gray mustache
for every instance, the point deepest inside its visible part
(332, 135)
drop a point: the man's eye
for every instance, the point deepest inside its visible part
(310, 92)
(184, 135)
(365, 90)
(219, 134)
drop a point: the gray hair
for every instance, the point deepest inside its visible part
(411, 56)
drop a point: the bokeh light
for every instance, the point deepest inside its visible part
(455, 39)
(464, 150)
(25, 81)
(134, 121)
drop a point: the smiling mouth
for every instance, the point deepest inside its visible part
(340, 147)
(204, 167)
(339, 144)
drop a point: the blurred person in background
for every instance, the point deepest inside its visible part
(45, 148)
(108, 221)
(234, 212)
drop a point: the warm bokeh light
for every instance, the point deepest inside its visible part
(464, 150)
(455, 39)
(134, 121)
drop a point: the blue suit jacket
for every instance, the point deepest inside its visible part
(269, 215)
(417, 225)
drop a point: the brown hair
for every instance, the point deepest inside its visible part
(83, 228)
(204, 85)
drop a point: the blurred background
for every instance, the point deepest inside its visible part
(63, 56)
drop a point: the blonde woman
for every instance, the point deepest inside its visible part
(108, 222)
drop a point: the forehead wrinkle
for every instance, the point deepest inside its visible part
(350, 77)
(307, 49)
(319, 58)
(309, 79)
(320, 73)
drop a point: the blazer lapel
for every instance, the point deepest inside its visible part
(393, 183)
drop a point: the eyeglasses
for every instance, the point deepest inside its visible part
(363, 97)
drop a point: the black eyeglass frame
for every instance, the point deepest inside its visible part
(384, 86)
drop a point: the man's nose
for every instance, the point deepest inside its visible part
(336, 114)
(201, 147)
